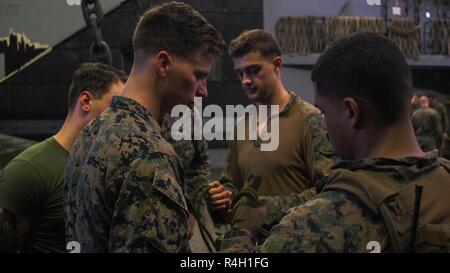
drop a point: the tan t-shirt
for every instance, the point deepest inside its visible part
(292, 167)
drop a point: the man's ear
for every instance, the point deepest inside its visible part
(278, 62)
(352, 111)
(163, 61)
(85, 101)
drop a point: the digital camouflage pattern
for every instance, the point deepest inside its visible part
(427, 125)
(324, 159)
(324, 155)
(194, 158)
(123, 185)
(336, 220)
(331, 222)
(277, 206)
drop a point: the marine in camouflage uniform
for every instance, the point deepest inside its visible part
(442, 111)
(427, 125)
(194, 159)
(123, 190)
(369, 196)
(303, 154)
(324, 159)
(322, 156)
(338, 220)
(319, 163)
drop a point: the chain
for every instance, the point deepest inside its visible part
(142, 6)
(93, 16)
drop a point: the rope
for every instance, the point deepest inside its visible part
(406, 35)
(304, 35)
(339, 27)
(300, 35)
(93, 16)
(440, 36)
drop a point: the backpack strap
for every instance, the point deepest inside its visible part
(389, 224)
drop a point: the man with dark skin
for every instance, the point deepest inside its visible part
(369, 195)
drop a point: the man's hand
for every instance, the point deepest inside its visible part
(248, 211)
(219, 198)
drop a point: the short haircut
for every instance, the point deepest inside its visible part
(96, 78)
(177, 28)
(254, 40)
(369, 66)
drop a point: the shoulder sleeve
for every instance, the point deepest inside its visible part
(278, 205)
(332, 222)
(308, 155)
(151, 211)
(20, 187)
(324, 155)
